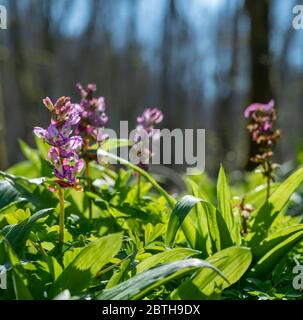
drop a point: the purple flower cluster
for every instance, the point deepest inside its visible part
(146, 122)
(93, 116)
(263, 118)
(149, 119)
(65, 148)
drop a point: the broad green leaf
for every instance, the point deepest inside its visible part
(218, 230)
(77, 275)
(120, 274)
(264, 267)
(25, 169)
(32, 190)
(17, 216)
(30, 154)
(224, 200)
(165, 257)
(140, 285)
(178, 215)
(17, 234)
(204, 242)
(42, 146)
(257, 196)
(8, 194)
(70, 255)
(152, 232)
(233, 262)
(37, 161)
(54, 267)
(273, 240)
(13, 206)
(19, 275)
(266, 215)
(211, 213)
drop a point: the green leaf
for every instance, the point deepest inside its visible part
(285, 242)
(266, 215)
(225, 208)
(257, 196)
(204, 242)
(8, 194)
(273, 240)
(120, 274)
(77, 275)
(180, 211)
(232, 262)
(140, 285)
(19, 275)
(24, 168)
(30, 154)
(112, 144)
(42, 147)
(218, 230)
(17, 216)
(13, 206)
(32, 190)
(152, 232)
(165, 257)
(214, 232)
(54, 267)
(224, 198)
(17, 234)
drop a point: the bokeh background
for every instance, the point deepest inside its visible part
(200, 61)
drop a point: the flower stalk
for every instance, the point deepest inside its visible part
(138, 186)
(64, 151)
(61, 216)
(263, 119)
(89, 184)
(91, 127)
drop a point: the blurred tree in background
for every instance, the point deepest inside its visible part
(199, 61)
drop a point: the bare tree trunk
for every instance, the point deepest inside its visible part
(261, 89)
(224, 110)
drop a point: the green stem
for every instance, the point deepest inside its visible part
(138, 185)
(89, 182)
(268, 176)
(62, 215)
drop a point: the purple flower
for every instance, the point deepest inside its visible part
(259, 107)
(39, 132)
(149, 118)
(92, 113)
(261, 127)
(146, 122)
(63, 153)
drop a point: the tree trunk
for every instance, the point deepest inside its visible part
(260, 61)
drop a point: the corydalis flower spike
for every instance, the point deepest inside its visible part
(146, 122)
(92, 113)
(150, 117)
(63, 153)
(263, 118)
